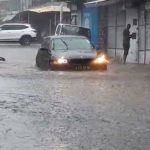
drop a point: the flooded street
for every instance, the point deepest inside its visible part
(91, 110)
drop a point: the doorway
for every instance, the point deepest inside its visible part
(132, 18)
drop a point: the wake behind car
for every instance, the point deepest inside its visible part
(69, 52)
(17, 32)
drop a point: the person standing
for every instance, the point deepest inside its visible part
(126, 42)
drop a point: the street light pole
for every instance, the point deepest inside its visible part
(61, 12)
(21, 5)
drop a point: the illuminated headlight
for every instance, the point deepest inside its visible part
(62, 60)
(101, 60)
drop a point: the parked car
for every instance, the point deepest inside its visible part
(69, 52)
(17, 32)
(68, 29)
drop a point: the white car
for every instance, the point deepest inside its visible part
(17, 32)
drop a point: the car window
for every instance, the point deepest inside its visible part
(19, 27)
(74, 30)
(84, 32)
(6, 27)
(69, 30)
(13, 27)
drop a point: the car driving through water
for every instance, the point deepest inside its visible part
(69, 52)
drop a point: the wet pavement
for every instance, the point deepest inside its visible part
(91, 110)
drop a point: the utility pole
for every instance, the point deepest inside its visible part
(61, 12)
(21, 5)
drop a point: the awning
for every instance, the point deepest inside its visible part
(100, 3)
(49, 8)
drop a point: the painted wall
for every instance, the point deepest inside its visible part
(91, 19)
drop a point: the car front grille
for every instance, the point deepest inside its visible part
(80, 61)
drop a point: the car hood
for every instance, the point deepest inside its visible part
(75, 54)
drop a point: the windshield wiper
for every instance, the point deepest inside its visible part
(65, 43)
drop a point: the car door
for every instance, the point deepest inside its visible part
(4, 33)
(15, 32)
(10, 33)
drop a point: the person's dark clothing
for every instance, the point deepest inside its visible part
(126, 48)
(126, 37)
(126, 43)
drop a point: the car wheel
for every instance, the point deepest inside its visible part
(42, 65)
(42, 62)
(25, 40)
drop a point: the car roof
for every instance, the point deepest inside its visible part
(68, 36)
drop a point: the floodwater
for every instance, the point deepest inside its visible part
(91, 110)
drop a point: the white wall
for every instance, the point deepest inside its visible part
(116, 24)
(144, 50)
(115, 33)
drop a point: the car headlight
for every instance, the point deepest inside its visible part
(101, 59)
(61, 60)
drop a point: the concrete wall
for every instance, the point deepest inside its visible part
(116, 24)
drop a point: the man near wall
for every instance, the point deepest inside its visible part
(126, 42)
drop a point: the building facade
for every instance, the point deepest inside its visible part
(3, 9)
(91, 19)
(25, 4)
(116, 14)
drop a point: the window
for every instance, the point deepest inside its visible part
(75, 30)
(13, 27)
(70, 30)
(6, 27)
(19, 27)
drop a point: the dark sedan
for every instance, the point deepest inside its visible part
(69, 52)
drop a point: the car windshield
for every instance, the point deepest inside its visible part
(61, 44)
